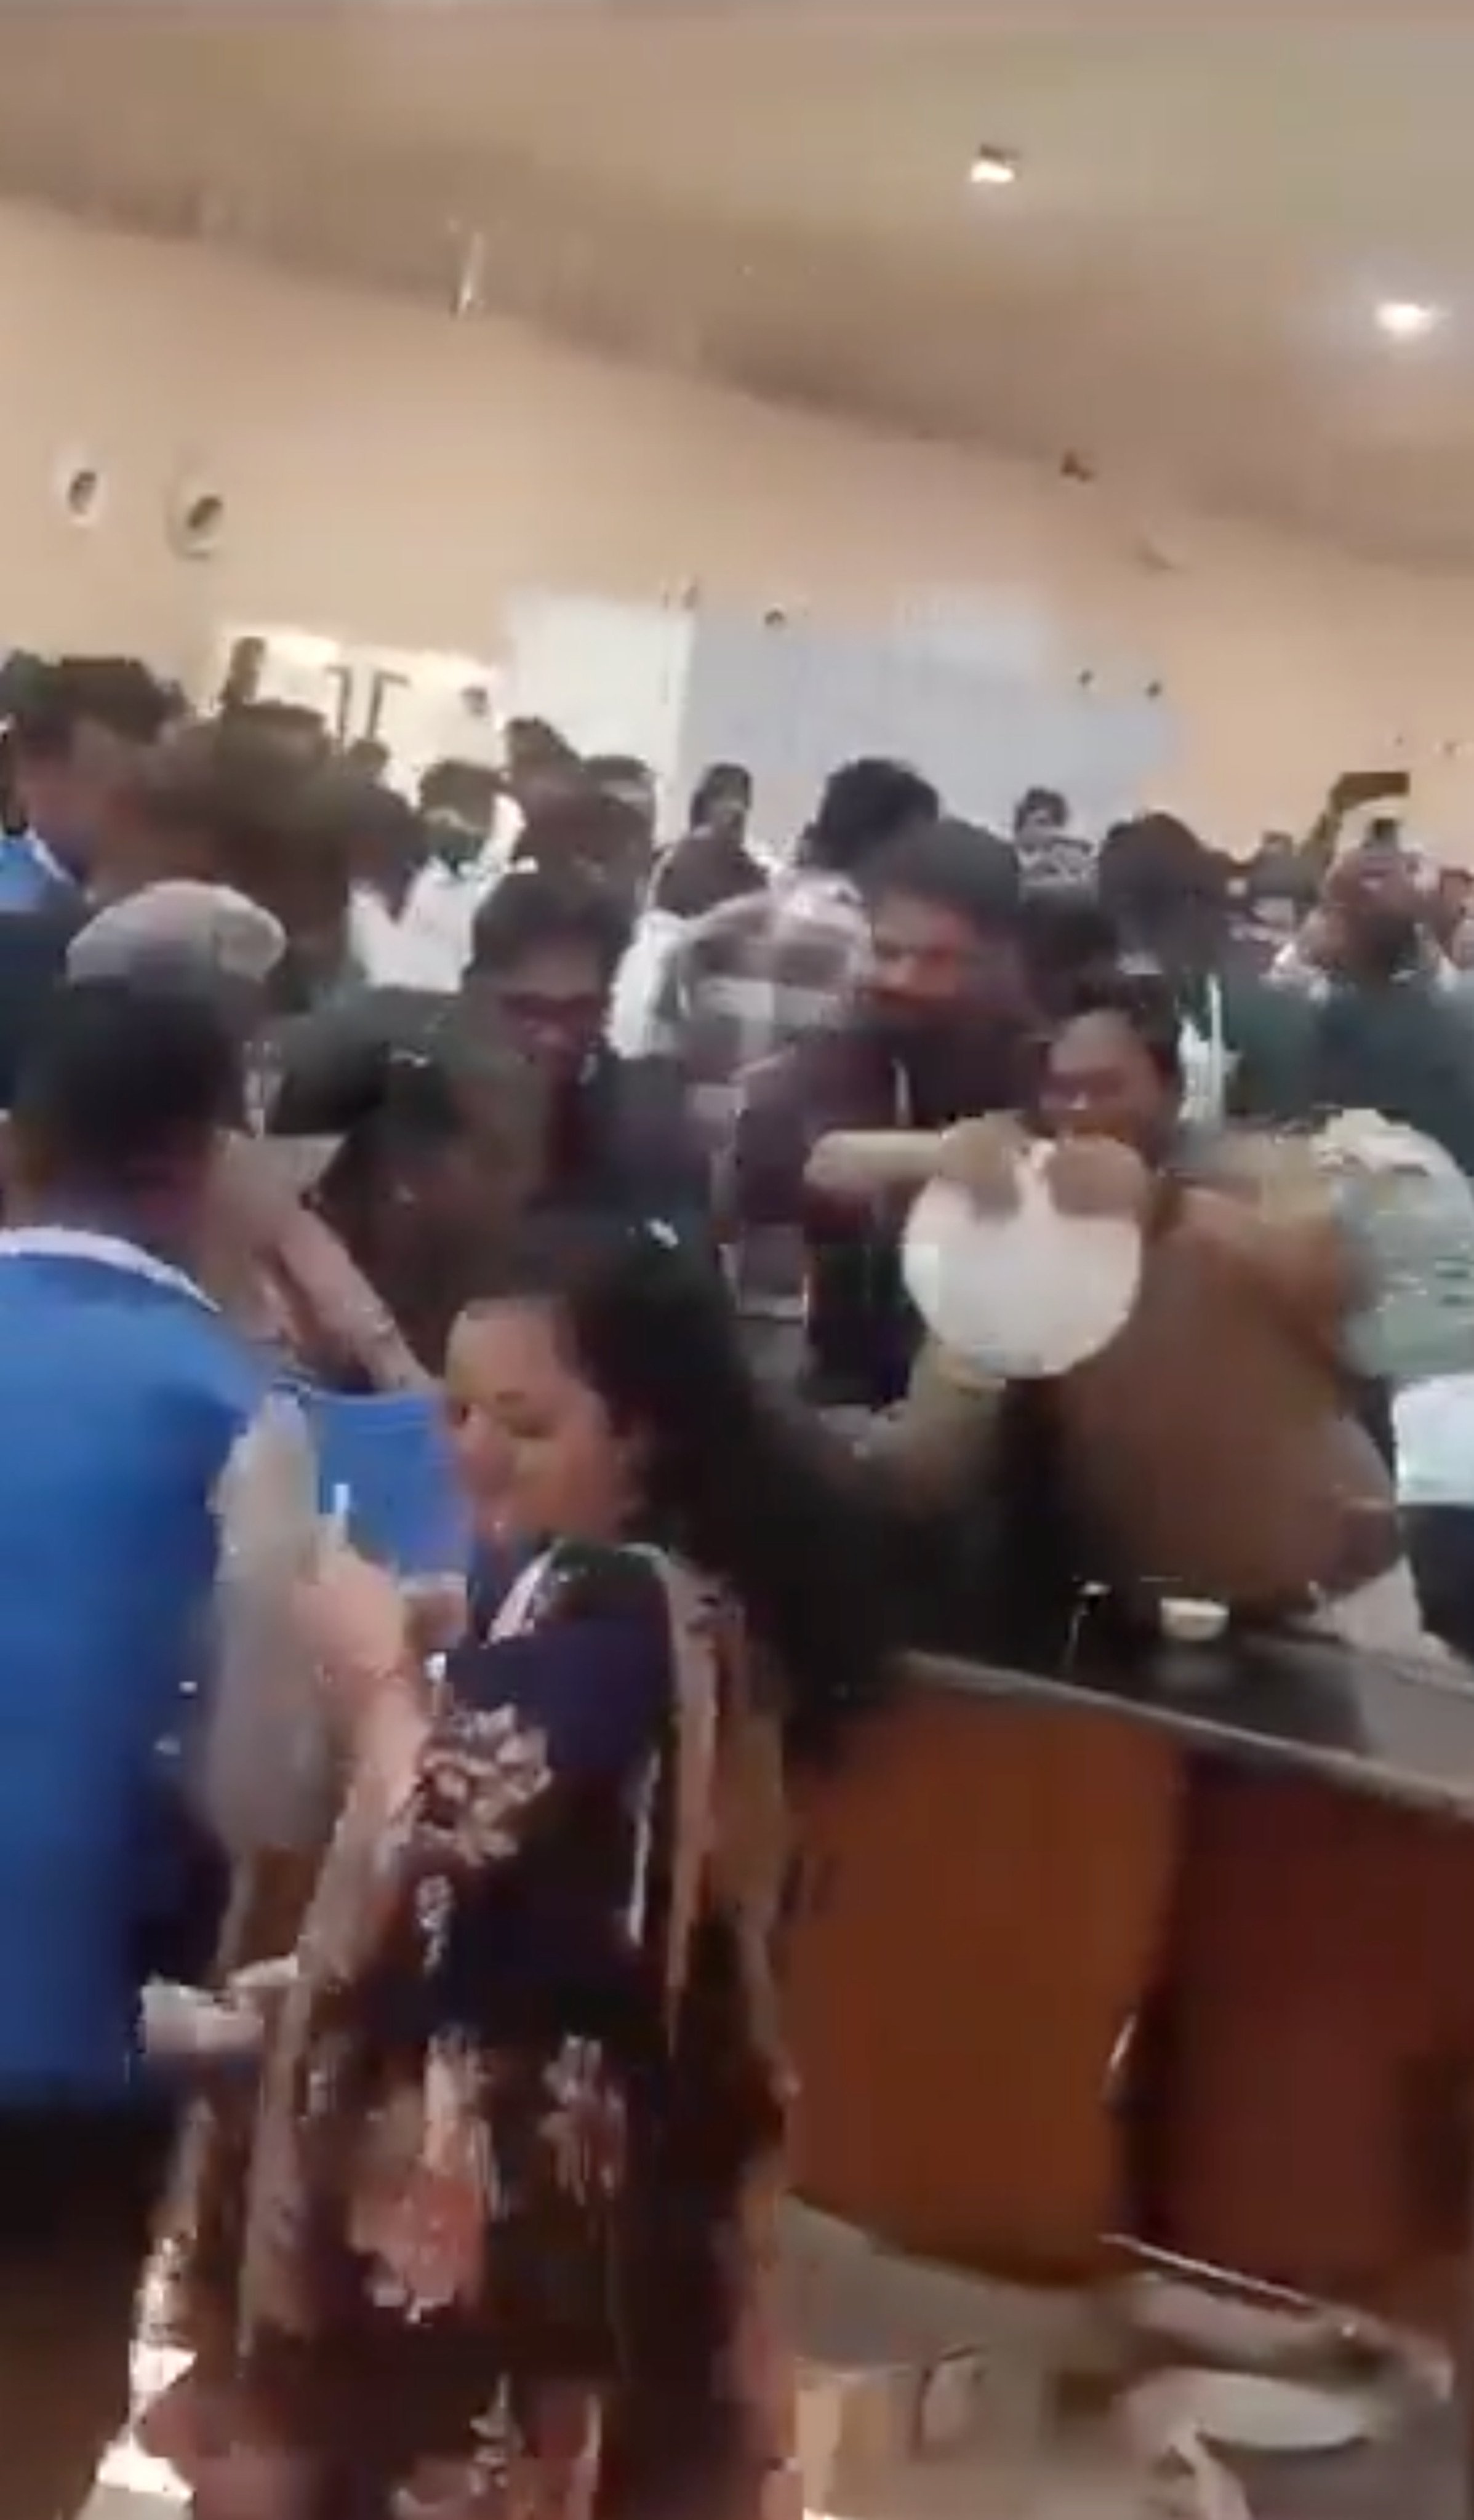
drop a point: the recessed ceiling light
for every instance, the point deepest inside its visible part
(996, 167)
(1408, 319)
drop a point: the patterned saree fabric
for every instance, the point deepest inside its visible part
(507, 2187)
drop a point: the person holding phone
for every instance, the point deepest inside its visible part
(1382, 1021)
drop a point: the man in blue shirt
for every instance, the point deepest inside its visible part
(78, 722)
(122, 1395)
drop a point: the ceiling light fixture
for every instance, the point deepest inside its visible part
(993, 166)
(1408, 319)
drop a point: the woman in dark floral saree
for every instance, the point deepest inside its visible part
(503, 2238)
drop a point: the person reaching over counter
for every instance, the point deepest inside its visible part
(940, 1023)
(1212, 1447)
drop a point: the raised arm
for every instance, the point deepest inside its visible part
(261, 1216)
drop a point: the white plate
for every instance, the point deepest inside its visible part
(300, 1162)
(1244, 2410)
(1029, 1294)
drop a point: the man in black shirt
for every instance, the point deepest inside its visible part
(613, 1134)
(544, 949)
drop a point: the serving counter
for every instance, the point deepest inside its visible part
(1181, 1952)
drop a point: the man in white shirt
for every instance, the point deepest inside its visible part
(413, 906)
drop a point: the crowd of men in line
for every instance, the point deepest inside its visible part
(288, 1058)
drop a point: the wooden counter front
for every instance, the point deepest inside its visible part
(987, 1884)
(1313, 2079)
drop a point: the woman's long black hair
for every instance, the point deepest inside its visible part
(748, 1490)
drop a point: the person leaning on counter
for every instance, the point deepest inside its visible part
(1214, 1445)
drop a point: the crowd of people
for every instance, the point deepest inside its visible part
(466, 1442)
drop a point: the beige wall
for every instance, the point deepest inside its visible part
(394, 476)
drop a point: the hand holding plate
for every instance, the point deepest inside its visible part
(1099, 1177)
(982, 1157)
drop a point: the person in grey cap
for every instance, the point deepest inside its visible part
(186, 931)
(276, 1265)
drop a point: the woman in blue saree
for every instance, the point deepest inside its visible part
(509, 2203)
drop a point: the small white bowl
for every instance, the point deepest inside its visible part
(1189, 1622)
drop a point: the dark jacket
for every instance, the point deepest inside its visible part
(622, 1143)
(33, 947)
(1404, 1047)
(863, 1332)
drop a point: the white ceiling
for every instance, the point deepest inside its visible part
(1179, 289)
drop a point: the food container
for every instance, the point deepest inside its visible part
(1187, 1620)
